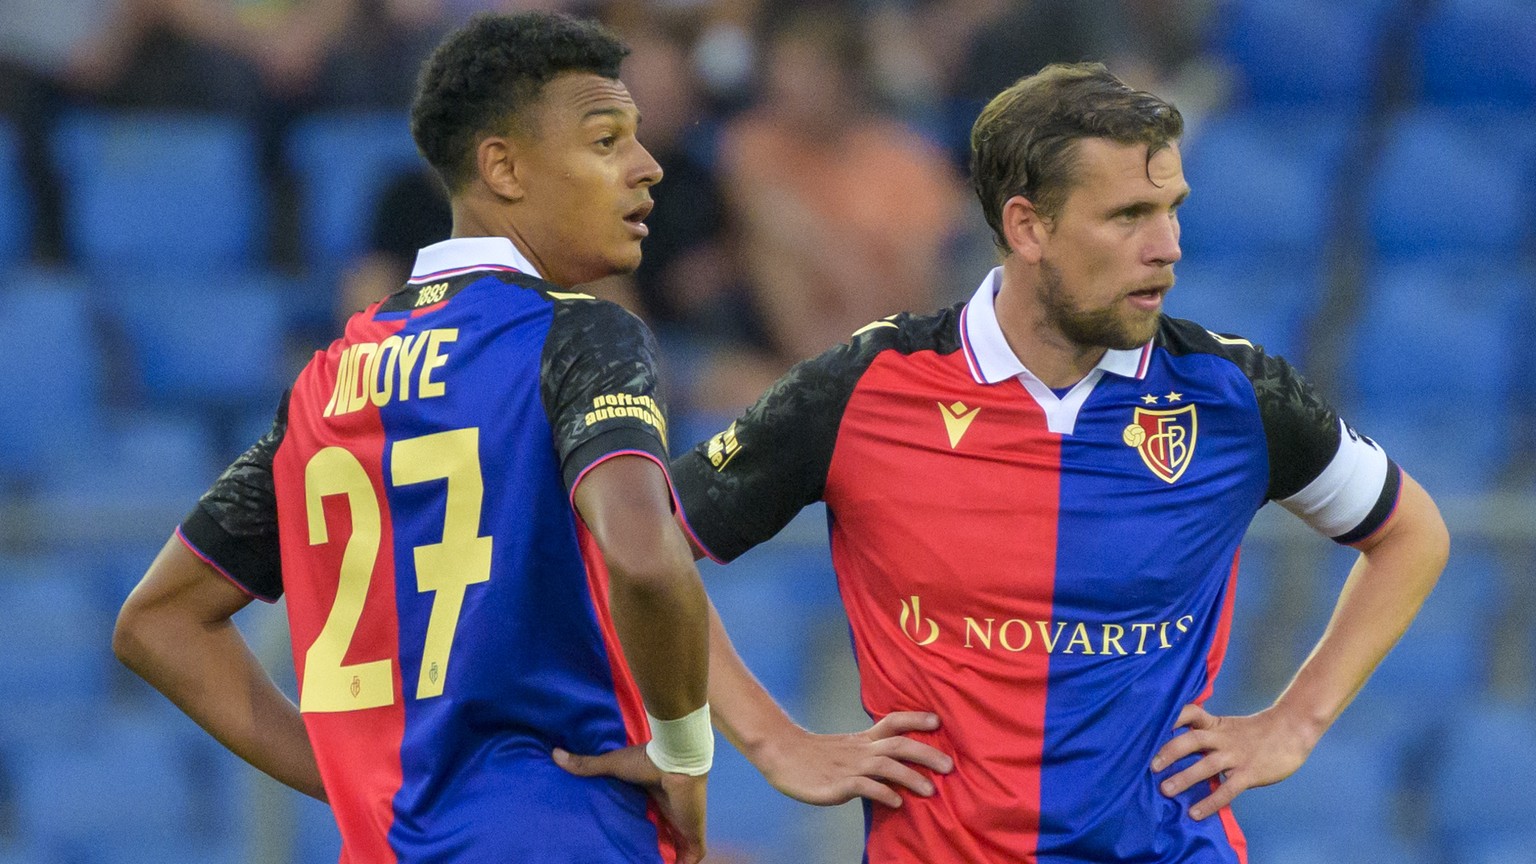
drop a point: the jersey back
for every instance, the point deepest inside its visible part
(448, 610)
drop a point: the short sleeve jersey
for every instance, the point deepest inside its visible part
(448, 609)
(1051, 574)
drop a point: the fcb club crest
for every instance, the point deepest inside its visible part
(1165, 439)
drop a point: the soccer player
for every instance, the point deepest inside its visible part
(1036, 500)
(465, 502)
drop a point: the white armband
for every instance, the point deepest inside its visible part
(1339, 499)
(682, 746)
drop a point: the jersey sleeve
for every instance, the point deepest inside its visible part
(234, 525)
(746, 483)
(1335, 479)
(600, 388)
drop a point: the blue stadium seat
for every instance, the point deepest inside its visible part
(1263, 182)
(1500, 34)
(15, 199)
(1434, 361)
(1455, 182)
(1305, 51)
(1482, 786)
(161, 192)
(148, 474)
(1338, 803)
(128, 789)
(210, 344)
(55, 647)
(1268, 304)
(52, 384)
(1439, 662)
(344, 162)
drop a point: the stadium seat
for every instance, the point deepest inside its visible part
(1337, 806)
(1434, 361)
(128, 789)
(1315, 52)
(1455, 182)
(148, 474)
(16, 209)
(200, 344)
(1501, 34)
(1266, 303)
(51, 387)
(1482, 787)
(344, 161)
(1439, 661)
(160, 192)
(53, 651)
(1263, 183)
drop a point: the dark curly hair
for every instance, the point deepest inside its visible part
(484, 77)
(1023, 142)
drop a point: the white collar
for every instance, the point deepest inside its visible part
(466, 254)
(992, 362)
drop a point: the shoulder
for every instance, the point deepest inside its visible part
(904, 333)
(1181, 337)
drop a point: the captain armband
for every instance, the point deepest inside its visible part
(683, 746)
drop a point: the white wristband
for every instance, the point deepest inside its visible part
(682, 746)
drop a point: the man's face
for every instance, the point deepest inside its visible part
(1108, 256)
(586, 180)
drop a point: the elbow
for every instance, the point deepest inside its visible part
(131, 636)
(653, 570)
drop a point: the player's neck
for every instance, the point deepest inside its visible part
(470, 220)
(1041, 346)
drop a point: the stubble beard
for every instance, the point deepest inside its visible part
(1106, 327)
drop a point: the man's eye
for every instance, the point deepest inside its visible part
(607, 141)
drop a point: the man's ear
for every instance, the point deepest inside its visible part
(1024, 229)
(496, 159)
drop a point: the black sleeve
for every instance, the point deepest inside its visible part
(234, 525)
(1320, 468)
(746, 483)
(599, 386)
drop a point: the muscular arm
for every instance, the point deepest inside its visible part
(175, 632)
(658, 603)
(1398, 566)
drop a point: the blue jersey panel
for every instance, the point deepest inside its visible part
(1159, 482)
(527, 669)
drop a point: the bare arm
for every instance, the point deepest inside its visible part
(1398, 567)
(810, 767)
(658, 610)
(175, 632)
(658, 603)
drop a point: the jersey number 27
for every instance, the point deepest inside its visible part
(447, 569)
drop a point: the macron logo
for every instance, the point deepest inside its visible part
(957, 419)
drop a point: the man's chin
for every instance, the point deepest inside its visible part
(1140, 332)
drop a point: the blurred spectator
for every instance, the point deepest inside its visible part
(686, 278)
(843, 213)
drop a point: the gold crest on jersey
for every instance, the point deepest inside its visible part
(1165, 439)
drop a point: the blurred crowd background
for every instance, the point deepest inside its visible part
(193, 193)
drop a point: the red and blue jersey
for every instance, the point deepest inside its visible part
(1052, 574)
(448, 608)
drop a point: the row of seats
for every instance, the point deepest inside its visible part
(1331, 51)
(1267, 183)
(173, 194)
